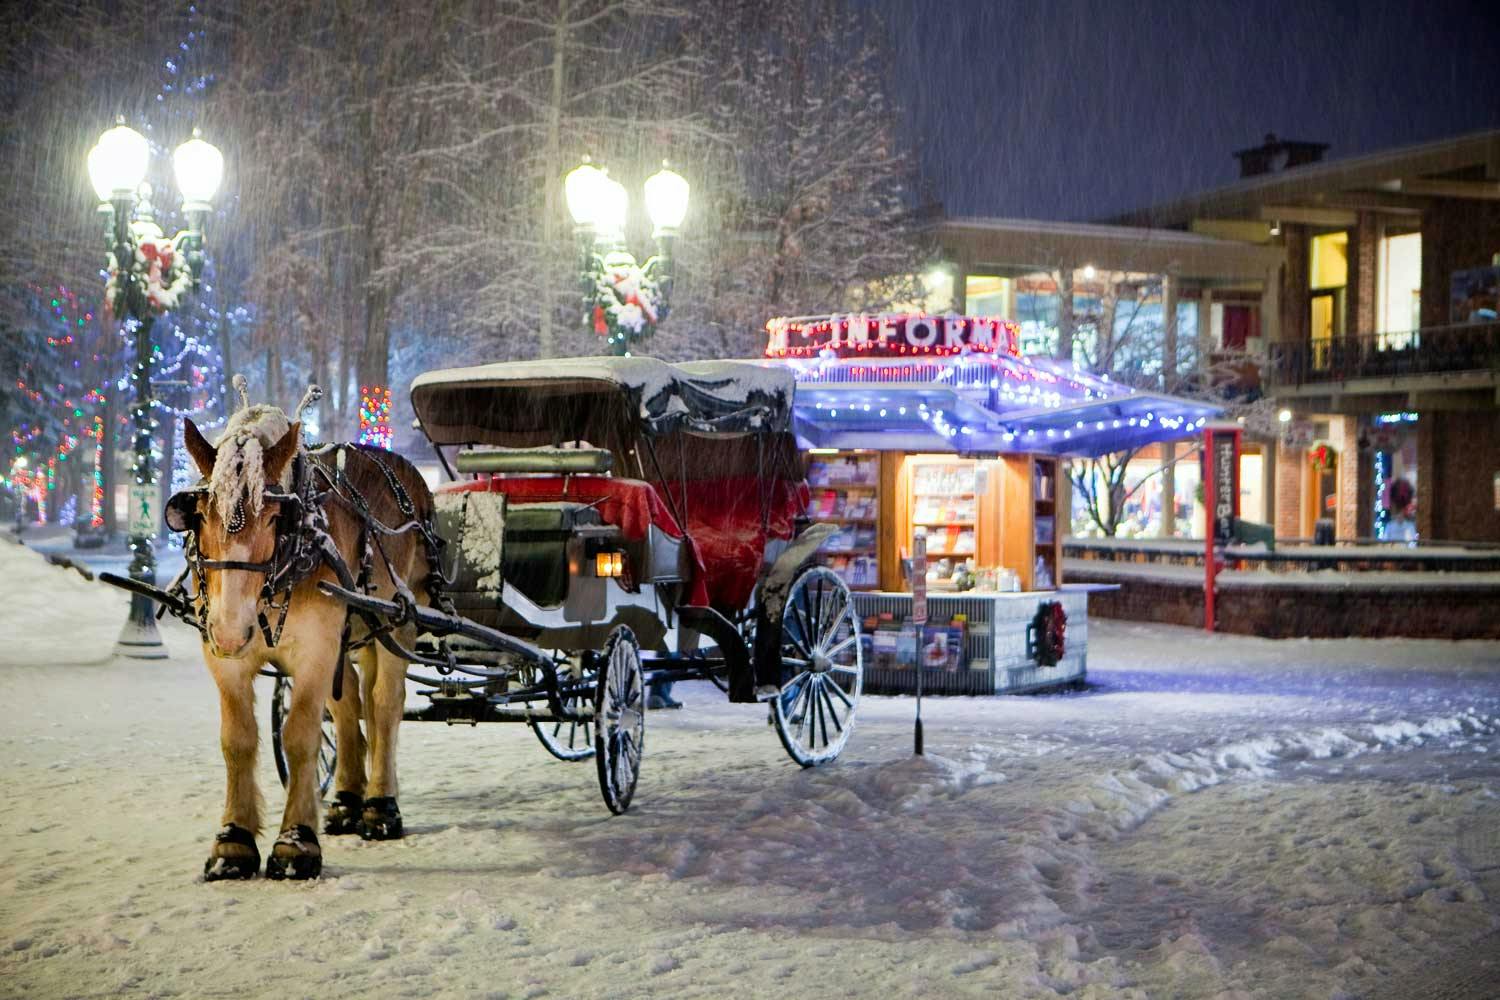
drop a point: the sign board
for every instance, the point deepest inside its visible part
(919, 580)
(145, 518)
(1497, 491)
(1226, 493)
(891, 335)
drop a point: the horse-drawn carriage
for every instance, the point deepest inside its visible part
(615, 523)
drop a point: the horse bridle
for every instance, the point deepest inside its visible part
(295, 554)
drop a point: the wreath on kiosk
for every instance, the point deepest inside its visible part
(1049, 633)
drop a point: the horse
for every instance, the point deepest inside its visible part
(240, 522)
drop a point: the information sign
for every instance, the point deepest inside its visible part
(145, 519)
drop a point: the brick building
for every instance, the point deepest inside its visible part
(1378, 333)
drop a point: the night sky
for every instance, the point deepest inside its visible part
(1083, 109)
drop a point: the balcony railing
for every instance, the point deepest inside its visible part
(1428, 351)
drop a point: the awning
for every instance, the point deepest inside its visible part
(980, 403)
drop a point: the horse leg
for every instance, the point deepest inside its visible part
(349, 776)
(234, 854)
(296, 853)
(385, 697)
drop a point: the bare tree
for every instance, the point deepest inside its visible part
(812, 202)
(1121, 339)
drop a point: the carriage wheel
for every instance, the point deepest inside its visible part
(619, 718)
(824, 667)
(328, 751)
(570, 739)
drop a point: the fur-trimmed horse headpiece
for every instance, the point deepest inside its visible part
(257, 443)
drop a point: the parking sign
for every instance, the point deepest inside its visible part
(919, 580)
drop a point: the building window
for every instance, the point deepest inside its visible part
(987, 295)
(1400, 284)
(1328, 261)
(1328, 274)
(1037, 309)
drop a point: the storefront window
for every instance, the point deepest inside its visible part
(1141, 497)
(1140, 337)
(1037, 309)
(987, 295)
(1393, 443)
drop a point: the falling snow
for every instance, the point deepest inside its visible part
(1215, 816)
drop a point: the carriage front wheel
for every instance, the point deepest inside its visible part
(619, 718)
(823, 665)
(570, 739)
(328, 752)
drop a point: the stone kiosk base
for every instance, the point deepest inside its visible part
(998, 655)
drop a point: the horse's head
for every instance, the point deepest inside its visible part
(236, 522)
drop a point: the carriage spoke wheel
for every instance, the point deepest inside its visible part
(823, 666)
(619, 718)
(328, 752)
(570, 739)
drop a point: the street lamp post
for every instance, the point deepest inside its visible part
(624, 301)
(148, 275)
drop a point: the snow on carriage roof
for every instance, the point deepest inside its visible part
(458, 405)
(730, 380)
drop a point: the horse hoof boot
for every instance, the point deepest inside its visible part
(235, 863)
(343, 814)
(295, 855)
(381, 819)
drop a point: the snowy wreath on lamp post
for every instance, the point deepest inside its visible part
(627, 301)
(159, 271)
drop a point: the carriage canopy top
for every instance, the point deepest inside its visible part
(529, 403)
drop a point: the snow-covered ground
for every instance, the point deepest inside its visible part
(1214, 817)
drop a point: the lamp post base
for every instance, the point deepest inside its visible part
(140, 639)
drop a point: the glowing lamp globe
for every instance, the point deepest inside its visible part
(199, 167)
(117, 163)
(583, 188)
(614, 204)
(666, 198)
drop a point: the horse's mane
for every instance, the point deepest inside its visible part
(240, 465)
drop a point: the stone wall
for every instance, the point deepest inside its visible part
(1314, 611)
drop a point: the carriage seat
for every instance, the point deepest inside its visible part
(535, 557)
(656, 545)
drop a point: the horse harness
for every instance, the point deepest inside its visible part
(303, 544)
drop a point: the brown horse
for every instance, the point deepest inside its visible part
(236, 521)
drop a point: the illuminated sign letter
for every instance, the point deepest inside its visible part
(953, 332)
(859, 330)
(921, 331)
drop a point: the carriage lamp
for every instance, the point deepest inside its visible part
(609, 564)
(149, 275)
(624, 301)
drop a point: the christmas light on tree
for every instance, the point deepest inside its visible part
(375, 416)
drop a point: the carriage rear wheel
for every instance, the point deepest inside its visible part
(824, 666)
(328, 752)
(570, 739)
(619, 718)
